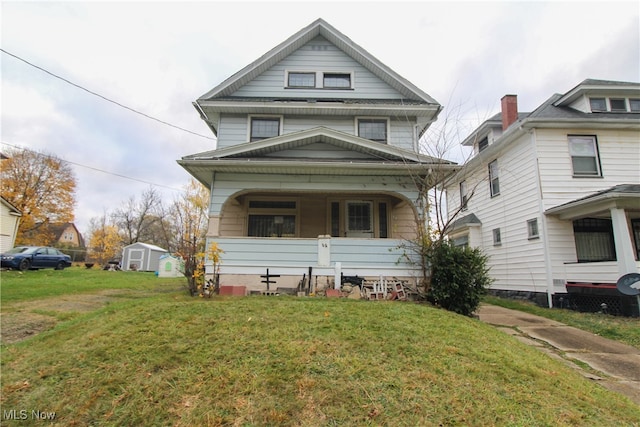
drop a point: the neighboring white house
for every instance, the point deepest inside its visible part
(142, 257)
(553, 196)
(170, 266)
(316, 163)
(9, 222)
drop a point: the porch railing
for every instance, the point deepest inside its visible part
(355, 256)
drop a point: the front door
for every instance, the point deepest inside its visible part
(359, 215)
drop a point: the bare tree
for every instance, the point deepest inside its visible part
(136, 219)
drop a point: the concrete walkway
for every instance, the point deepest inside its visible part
(614, 365)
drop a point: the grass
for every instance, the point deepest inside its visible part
(168, 359)
(623, 329)
(24, 286)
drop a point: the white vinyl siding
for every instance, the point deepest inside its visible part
(234, 129)
(518, 262)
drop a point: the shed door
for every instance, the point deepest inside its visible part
(136, 258)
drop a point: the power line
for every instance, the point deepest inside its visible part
(104, 97)
(91, 167)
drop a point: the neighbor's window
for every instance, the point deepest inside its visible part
(584, 155)
(373, 129)
(594, 240)
(461, 241)
(634, 105)
(618, 105)
(635, 226)
(296, 79)
(598, 104)
(532, 228)
(463, 195)
(494, 179)
(497, 238)
(336, 80)
(483, 144)
(264, 127)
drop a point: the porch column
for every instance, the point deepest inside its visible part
(622, 240)
(214, 226)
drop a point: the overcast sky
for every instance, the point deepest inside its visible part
(159, 57)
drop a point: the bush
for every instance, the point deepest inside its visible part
(459, 278)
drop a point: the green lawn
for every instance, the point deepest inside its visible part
(164, 358)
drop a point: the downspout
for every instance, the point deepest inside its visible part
(543, 222)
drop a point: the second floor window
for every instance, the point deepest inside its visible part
(494, 179)
(264, 127)
(584, 156)
(373, 129)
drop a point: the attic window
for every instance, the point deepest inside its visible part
(336, 81)
(297, 79)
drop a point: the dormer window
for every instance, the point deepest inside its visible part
(618, 105)
(614, 105)
(373, 129)
(598, 104)
(483, 144)
(264, 127)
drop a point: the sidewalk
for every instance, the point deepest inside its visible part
(617, 364)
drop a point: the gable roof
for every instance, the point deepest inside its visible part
(146, 246)
(59, 227)
(299, 39)
(412, 101)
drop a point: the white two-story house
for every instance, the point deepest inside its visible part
(553, 196)
(316, 171)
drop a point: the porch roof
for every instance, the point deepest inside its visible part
(623, 196)
(261, 157)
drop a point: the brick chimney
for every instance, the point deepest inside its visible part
(509, 110)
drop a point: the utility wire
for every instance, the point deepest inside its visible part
(104, 97)
(90, 167)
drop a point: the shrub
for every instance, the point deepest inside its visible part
(459, 278)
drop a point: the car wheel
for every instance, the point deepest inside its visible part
(24, 265)
(60, 265)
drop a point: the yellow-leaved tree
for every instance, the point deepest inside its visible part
(43, 187)
(189, 216)
(104, 241)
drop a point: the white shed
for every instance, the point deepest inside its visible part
(170, 266)
(142, 257)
